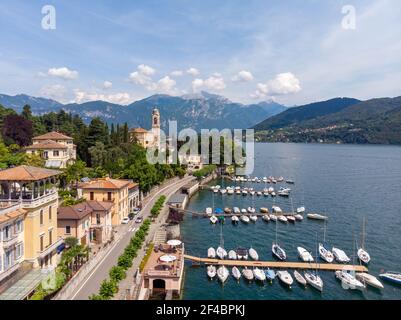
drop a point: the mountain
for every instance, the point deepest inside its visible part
(296, 115)
(197, 111)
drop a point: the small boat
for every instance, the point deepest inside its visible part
(282, 189)
(213, 219)
(304, 254)
(242, 254)
(215, 190)
(232, 255)
(273, 217)
(243, 211)
(259, 274)
(211, 253)
(234, 219)
(291, 219)
(301, 210)
(299, 217)
(277, 209)
(218, 211)
(273, 194)
(368, 279)
(363, 256)
(238, 192)
(264, 210)
(252, 193)
(222, 274)
(211, 271)
(348, 281)
(270, 190)
(253, 254)
(209, 211)
(223, 191)
(244, 219)
(259, 193)
(251, 209)
(289, 181)
(280, 179)
(391, 276)
(279, 252)
(340, 255)
(270, 274)
(266, 218)
(300, 279)
(236, 273)
(222, 219)
(236, 210)
(282, 218)
(314, 280)
(230, 191)
(325, 254)
(316, 216)
(283, 193)
(248, 274)
(227, 210)
(253, 218)
(285, 277)
(244, 192)
(221, 253)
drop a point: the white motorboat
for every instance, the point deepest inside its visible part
(368, 279)
(299, 217)
(238, 192)
(391, 276)
(348, 281)
(279, 252)
(221, 253)
(259, 274)
(222, 274)
(363, 256)
(252, 193)
(243, 211)
(277, 209)
(266, 194)
(300, 279)
(211, 253)
(273, 217)
(209, 211)
(236, 273)
(273, 194)
(285, 277)
(211, 271)
(251, 209)
(242, 254)
(316, 216)
(266, 218)
(270, 190)
(213, 219)
(304, 254)
(232, 255)
(325, 254)
(215, 190)
(244, 192)
(234, 219)
(248, 274)
(282, 218)
(291, 218)
(259, 193)
(264, 210)
(253, 254)
(301, 210)
(244, 219)
(223, 191)
(314, 280)
(253, 218)
(230, 191)
(340, 255)
(283, 193)
(236, 210)
(283, 189)
(270, 274)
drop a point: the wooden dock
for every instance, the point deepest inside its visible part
(279, 264)
(204, 214)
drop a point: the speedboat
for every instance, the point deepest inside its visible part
(213, 219)
(325, 254)
(277, 209)
(221, 253)
(264, 210)
(279, 252)
(238, 192)
(244, 192)
(289, 181)
(301, 210)
(304, 254)
(282, 189)
(282, 218)
(222, 274)
(266, 218)
(211, 253)
(234, 219)
(259, 193)
(280, 179)
(236, 273)
(230, 191)
(211, 271)
(270, 190)
(242, 254)
(259, 274)
(251, 209)
(273, 194)
(266, 194)
(316, 216)
(253, 254)
(349, 281)
(227, 210)
(209, 211)
(291, 219)
(223, 191)
(314, 280)
(243, 211)
(252, 193)
(244, 219)
(340, 255)
(285, 277)
(273, 217)
(363, 256)
(270, 274)
(253, 218)
(367, 278)
(283, 193)
(299, 217)
(248, 274)
(391, 276)
(236, 210)
(300, 279)
(232, 255)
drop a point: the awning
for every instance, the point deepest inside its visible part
(53, 163)
(168, 258)
(174, 242)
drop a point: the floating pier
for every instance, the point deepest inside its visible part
(279, 264)
(204, 214)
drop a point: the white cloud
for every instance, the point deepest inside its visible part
(146, 70)
(55, 91)
(193, 71)
(242, 76)
(197, 84)
(177, 73)
(107, 85)
(282, 84)
(118, 98)
(143, 75)
(164, 85)
(213, 83)
(63, 73)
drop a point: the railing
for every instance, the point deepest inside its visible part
(50, 248)
(10, 270)
(12, 240)
(32, 203)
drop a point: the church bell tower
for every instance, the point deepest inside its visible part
(156, 127)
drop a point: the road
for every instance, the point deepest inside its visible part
(92, 283)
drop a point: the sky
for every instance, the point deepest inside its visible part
(293, 52)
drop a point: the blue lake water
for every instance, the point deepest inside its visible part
(345, 182)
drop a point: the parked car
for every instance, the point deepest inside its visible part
(125, 220)
(139, 220)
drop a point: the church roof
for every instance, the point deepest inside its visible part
(139, 130)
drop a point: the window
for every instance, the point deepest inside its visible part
(50, 237)
(92, 196)
(67, 229)
(19, 251)
(42, 243)
(109, 196)
(50, 213)
(19, 226)
(55, 153)
(41, 217)
(7, 233)
(97, 218)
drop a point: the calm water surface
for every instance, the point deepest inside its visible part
(346, 182)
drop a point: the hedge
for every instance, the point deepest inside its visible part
(157, 207)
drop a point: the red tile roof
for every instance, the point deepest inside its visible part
(105, 183)
(75, 212)
(52, 136)
(138, 130)
(27, 173)
(12, 215)
(47, 144)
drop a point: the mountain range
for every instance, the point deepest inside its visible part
(197, 111)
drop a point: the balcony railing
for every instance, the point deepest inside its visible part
(10, 270)
(43, 253)
(28, 202)
(12, 240)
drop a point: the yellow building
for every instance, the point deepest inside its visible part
(57, 149)
(35, 190)
(108, 190)
(145, 138)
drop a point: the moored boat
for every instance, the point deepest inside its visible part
(279, 252)
(253, 218)
(270, 274)
(304, 254)
(234, 219)
(299, 217)
(236, 210)
(242, 254)
(316, 216)
(236, 273)
(282, 218)
(248, 274)
(211, 271)
(253, 254)
(391, 276)
(251, 210)
(348, 281)
(221, 253)
(213, 219)
(211, 253)
(277, 209)
(266, 218)
(369, 279)
(291, 218)
(232, 255)
(209, 211)
(264, 210)
(314, 280)
(244, 219)
(222, 274)
(300, 279)
(363, 255)
(259, 274)
(300, 209)
(325, 254)
(285, 277)
(340, 255)
(273, 217)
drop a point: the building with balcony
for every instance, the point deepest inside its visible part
(108, 190)
(57, 149)
(89, 222)
(133, 196)
(35, 190)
